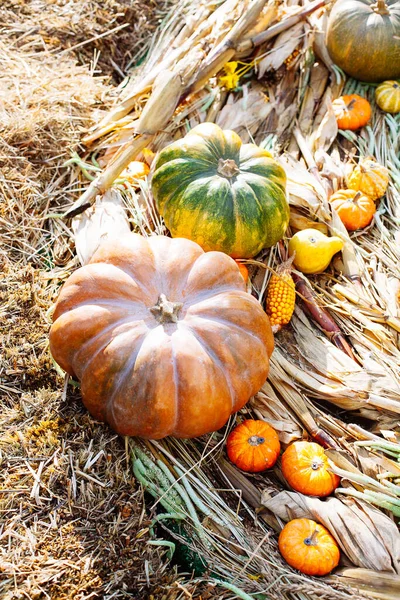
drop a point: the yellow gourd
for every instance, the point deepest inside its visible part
(313, 250)
(387, 96)
(369, 177)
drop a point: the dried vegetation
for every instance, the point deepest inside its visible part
(72, 523)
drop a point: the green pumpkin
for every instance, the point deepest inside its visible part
(220, 193)
(363, 38)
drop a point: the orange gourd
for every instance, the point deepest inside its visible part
(244, 271)
(154, 329)
(308, 547)
(351, 112)
(134, 171)
(253, 446)
(369, 177)
(305, 468)
(355, 209)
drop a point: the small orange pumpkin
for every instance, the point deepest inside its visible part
(351, 112)
(134, 171)
(243, 270)
(355, 209)
(305, 468)
(308, 547)
(253, 446)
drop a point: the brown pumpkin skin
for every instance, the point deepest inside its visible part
(305, 468)
(363, 38)
(355, 209)
(253, 446)
(308, 547)
(140, 371)
(351, 112)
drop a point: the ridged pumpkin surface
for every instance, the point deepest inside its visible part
(370, 178)
(363, 38)
(162, 336)
(387, 96)
(309, 547)
(220, 193)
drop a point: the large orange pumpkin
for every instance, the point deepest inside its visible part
(163, 337)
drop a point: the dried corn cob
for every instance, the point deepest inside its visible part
(281, 296)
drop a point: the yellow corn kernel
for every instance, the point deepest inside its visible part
(281, 297)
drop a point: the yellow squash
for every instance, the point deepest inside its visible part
(369, 177)
(313, 250)
(387, 96)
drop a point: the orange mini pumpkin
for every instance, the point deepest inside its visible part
(351, 112)
(244, 271)
(253, 446)
(134, 171)
(305, 468)
(355, 209)
(308, 547)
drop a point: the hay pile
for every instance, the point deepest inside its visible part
(72, 522)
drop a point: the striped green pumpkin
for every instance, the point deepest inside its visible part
(220, 193)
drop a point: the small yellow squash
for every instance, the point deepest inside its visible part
(387, 96)
(313, 251)
(369, 177)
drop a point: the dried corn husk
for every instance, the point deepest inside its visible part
(105, 220)
(383, 586)
(283, 47)
(269, 408)
(244, 115)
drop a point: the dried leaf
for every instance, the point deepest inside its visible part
(106, 219)
(298, 222)
(304, 190)
(283, 47)
(383, 586)
(269, 408)
(244, 113)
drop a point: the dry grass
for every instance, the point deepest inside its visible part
(72, 520)
(108, 34)
(75, 522)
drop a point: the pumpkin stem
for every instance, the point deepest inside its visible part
(166, 311)
(380, 7)
(227, 168)
(312, 539)
(357, 196)
(316, 464)
(256, 440)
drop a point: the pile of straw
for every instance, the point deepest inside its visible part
(72, 524)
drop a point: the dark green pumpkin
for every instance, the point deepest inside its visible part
(363, 38)
(220, 193)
